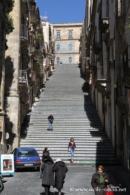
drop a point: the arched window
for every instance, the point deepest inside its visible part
(58, 47)
(70, 34)
(70, 47)
(58, 60)
(70, 59)
(58, 34)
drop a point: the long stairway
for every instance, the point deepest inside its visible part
(74, 116)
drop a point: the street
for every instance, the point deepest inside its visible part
(77, 182)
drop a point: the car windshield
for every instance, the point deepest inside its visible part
(26, 153)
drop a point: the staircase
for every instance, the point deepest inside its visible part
(74, 116)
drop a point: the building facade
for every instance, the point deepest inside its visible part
(5, 28)
(49, 55)
(104, 44)
(24, 68)
(66, 36)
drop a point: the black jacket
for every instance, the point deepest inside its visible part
(51, 118)
(60, 170)
(46, 157)
(95, 181)
(47, 174)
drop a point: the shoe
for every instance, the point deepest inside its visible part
(59, 193)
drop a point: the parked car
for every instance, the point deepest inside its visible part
(26, 157)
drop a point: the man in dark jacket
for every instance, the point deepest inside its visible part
(47, 174)
(60, 170)
(100, 181)
(50, 122)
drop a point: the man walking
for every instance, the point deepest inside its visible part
(50, 122)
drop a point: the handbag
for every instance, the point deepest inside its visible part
(109, 191)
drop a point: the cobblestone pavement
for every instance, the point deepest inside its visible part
(77, 182)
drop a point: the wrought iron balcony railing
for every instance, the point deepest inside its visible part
(23, 79)
(24, 31)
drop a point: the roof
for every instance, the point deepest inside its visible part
(25, 148)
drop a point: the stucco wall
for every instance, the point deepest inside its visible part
(64, 41)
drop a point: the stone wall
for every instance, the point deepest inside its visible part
(3, 149)
(11, 78)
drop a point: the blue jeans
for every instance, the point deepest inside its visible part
(50, 125)
(72, 152)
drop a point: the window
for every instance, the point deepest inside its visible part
(58, 34)
(70, 59)
(58, 60)
(27, 153)
(70, 34)
(70, 47)
(58, 47)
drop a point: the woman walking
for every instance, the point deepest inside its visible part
(100, 181)
(71, 148)
(60, 170)
(46, 155)
(47, 174)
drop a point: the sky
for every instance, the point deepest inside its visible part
(62, 11)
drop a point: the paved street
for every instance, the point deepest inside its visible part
(77, 182)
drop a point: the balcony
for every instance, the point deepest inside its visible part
(97, 48)
(24, 37)
(120, 23)
(91, 33)
(24, 31)
(101, 86)
(112, 64)
(122, 47)
(126, 76)
(33, 16)
(106, 36)
(23, 77)
(37, 67)
(23, 80)
(122, 103)
(32, 49)
(104, 24)
(25, 60)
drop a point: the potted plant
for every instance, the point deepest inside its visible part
(39, 37)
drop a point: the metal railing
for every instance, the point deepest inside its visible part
(24, 31)
(23, 77)
(32, 15)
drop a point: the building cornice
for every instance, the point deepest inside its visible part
(67, 39)
(67, 53)
(67, 25)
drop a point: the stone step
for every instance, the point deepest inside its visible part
(104, 158)
(67, 126)
(78, 153)
(79, 149)
(85, 143)
(75, 116)
(64, 134)
(83, 156)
